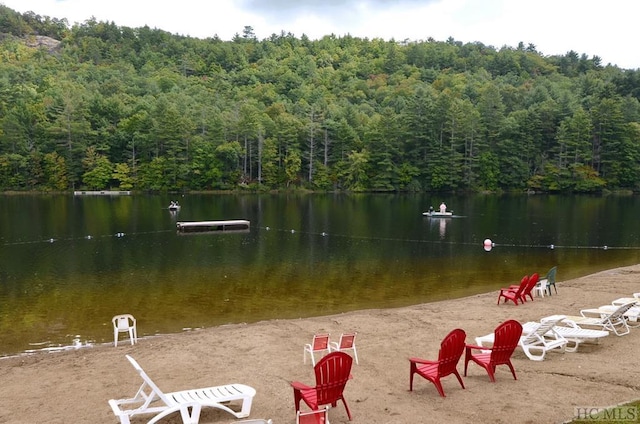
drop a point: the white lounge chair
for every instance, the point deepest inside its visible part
(610, 319)
(536, 337)
(572, 332)
(575, 335)
(151, 400)
(622, 300)
(632, 315)
(543, 339)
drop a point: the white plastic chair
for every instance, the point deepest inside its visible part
(124, 323)
(541, 287)
(347, 342)
(549, 280)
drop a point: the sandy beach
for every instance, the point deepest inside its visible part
(74, 386)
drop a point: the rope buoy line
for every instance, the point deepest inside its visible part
(87, 237)
(488, 244)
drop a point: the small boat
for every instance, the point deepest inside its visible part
(435, 214)
(174, 206)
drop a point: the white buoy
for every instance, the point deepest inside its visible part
(488, 244)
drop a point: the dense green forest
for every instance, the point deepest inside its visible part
(99, 106)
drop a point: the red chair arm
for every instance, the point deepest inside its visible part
(422, 361)
(299, 386)
(469, 347)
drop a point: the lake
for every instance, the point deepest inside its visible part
(69, 263)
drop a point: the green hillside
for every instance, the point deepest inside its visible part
(99, 106)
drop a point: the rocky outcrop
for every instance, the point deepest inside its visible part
(51, 44)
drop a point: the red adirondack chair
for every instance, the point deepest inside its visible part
(332, 373)
(513, 295)
(528, 289)
(451, 350)
(506, 337)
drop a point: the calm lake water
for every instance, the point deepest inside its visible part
(69, 263)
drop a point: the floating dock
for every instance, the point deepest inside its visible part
(234, 225)
(101, 193)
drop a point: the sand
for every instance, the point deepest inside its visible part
(74, 386)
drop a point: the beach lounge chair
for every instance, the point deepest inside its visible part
(124, 323)
(537, 338)
(506, 338)
(623, 300)
(332, 372)
(347, 342)
(513, 295)
(542, 339)
(631, 315)
(451, 349)
(151, 400)
(609, 319)
(319, 344)
(575, 335)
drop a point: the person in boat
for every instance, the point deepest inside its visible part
(430, 209)
(443, 207)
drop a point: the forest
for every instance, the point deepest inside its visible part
(97, 106)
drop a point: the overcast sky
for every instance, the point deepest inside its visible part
(608, 29)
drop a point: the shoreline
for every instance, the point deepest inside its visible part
(75, 385)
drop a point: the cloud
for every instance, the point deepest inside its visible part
(335, 9)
